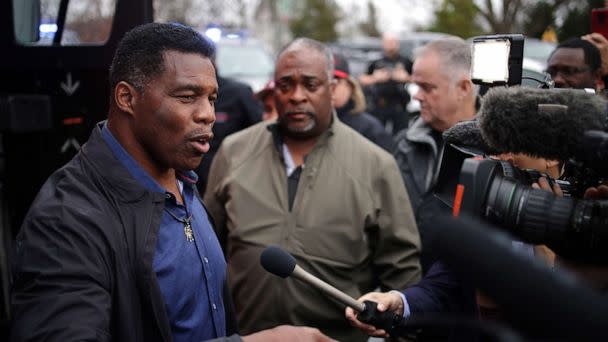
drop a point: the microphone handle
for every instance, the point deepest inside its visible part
(331, 291)
(368, 312)
(393, 324)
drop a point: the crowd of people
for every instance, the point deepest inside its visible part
(136, 240)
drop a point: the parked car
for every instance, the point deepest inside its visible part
(536, 54)
(360, 52)
(410, 41)
(246, 60)
(538, 50)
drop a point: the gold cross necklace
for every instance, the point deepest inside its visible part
(186, 220)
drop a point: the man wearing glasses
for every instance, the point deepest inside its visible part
(575, 63)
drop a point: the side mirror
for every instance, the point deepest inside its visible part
(26, 19)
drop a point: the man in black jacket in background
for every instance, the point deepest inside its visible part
(117, 245)
(235, 109)
(385, 80)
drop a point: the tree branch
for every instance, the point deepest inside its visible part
(487, 14)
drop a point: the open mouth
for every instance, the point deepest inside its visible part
(200, 143)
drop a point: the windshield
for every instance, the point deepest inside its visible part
(538, 50)
(243, 60)
(86, 21)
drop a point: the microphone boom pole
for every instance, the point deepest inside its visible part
(329, 290)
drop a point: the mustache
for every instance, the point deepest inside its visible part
(200, 133)
(296, 111)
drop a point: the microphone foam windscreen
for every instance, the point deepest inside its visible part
(467, 134)
(547, 123)
(277, 261)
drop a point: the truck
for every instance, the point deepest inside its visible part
(54, 89)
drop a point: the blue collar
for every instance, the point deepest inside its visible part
(140, 175)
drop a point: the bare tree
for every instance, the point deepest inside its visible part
(175, 10)
(506, 16)
(198, 13)
(91, 20)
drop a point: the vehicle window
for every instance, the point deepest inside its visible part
(86, 22)
(538, 50)
(243, 60)
(26, 14)
(406, 48)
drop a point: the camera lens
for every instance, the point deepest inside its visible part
(576, 229)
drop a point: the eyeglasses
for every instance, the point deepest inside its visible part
(566, 71)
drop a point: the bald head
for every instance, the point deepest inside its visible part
(314, 45)
(390, 44)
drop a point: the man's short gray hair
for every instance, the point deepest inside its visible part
(454, 54)
(314, 45)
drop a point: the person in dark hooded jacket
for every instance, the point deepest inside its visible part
(350, 106)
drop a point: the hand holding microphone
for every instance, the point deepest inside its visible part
(387, 302)
(282, 264)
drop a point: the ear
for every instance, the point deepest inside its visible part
(332, 89)
(555, 166)
(332, 86)
(508, 156)
(126, 97)
(599, 81)
(552, 163)
(465, 87)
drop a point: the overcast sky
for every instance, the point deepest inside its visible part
(396, 15)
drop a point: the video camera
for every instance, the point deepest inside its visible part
(556, 124)
(573, 228)
(502, 194)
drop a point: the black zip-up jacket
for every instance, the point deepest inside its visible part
(83, 259)
(366, 124)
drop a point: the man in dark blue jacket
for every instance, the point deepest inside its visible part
(447, 96)
(117, 245)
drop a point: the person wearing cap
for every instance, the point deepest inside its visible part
(349, 102)
(266, 96)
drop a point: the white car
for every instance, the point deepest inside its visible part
(245, 60)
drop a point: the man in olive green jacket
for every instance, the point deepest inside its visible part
(318, 189)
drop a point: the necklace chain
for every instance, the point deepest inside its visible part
(187, 221)
(187, 224)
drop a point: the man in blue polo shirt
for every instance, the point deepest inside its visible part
(117, 245)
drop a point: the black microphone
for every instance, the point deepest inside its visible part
(280, 263)
(547, 123)
(467, 134)
(535, 300)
